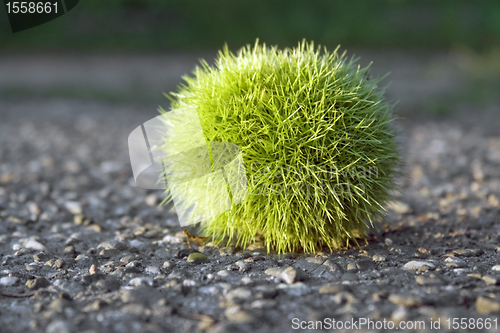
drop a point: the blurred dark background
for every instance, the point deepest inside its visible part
(154, 25)
(440, 53)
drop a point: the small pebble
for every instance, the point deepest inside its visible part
(32, 267)
(334, 268)
(400, 314)
(490, 280)
(486, 305)
(34, 208)
(352, 268)
(37, 283)
(83, 260)
(423, 250)
(316, 260)
(141, 281)
(151, 200)
(243, 266)
(237, 315)
(455, 262)
(291, 275)
(223, 273)
(70, 251)
(172, 239)
(40, 257)
(493, 200)
(399, 207)
(59, 263)
(189, 283)
(35, 245)
(74, 207)
(274, 271)
(232, 267)
(405, 300)
(127, 259)
(8, 281)
(418, 265)
(78, 219)
(378, 257)
(246, 280)
(198, 258)
(475, 275)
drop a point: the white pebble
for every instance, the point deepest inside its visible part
(141, 281)
(460, 271)
(246, 280)
(33, 244)
(399, 314)
(189, 283)
(378, 257)
(399, 207)
(152, 270)
(8, 281)
(274, 271)
(136, 243)
(418, 264)
(223, 273)
(171, 239)
(151, 200)
(74, 207)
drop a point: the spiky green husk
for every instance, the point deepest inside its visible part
(308, 123)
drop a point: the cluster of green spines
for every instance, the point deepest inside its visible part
(316, 138)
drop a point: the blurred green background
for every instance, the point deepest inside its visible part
(441, 54)
(194, 24)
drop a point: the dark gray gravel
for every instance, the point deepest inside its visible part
(83, 250)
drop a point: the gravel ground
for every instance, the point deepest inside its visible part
(83, 250)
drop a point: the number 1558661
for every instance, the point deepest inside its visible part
(16, 7)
